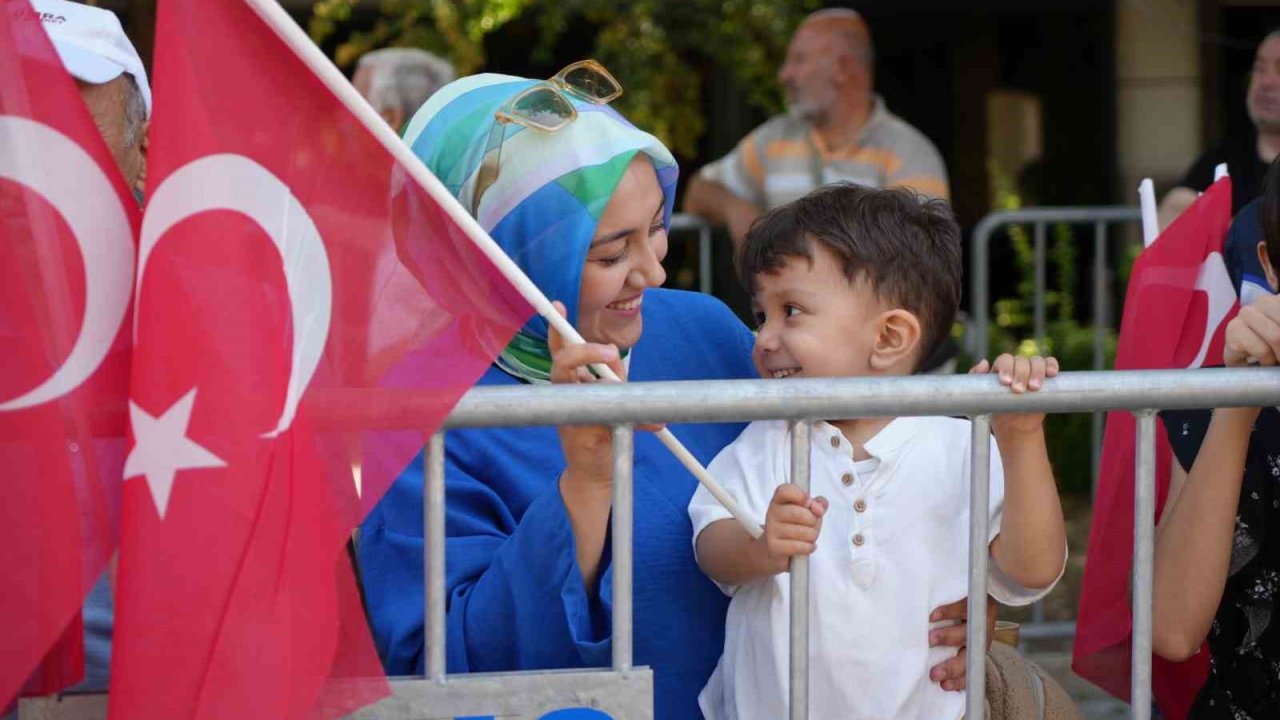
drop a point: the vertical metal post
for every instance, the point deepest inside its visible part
(622, 546)
(1144, 545)
(980, 290)
(801, 430)
(433, 538)
(1101, 272)
(1040, 269)
(704, 257)
(979, 491)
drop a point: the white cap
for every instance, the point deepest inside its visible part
(91, 43)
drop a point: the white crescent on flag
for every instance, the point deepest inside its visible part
(1215, 282)
(236, 183)
(55, 167)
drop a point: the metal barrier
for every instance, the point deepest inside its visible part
(980, 293)
(684, 222)
(624, 691)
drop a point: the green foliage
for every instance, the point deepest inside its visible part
(1068, 338)
(656, 48)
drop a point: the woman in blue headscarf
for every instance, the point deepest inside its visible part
(583, 210)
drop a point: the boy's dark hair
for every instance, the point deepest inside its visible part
(1269, 208)
(906, 246)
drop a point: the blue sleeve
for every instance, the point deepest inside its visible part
(515, 596)
(1241, 249)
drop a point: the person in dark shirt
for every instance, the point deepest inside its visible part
(1247, 158)
(1217, 559)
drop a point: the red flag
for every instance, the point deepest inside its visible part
(67, 245)
(275, 270)
(1176, 310)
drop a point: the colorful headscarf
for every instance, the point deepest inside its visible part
(550, 192)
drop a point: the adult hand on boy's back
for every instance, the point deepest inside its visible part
(1019, 374)
(792, 524)
(951, 673)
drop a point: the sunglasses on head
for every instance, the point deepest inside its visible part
(547, 107)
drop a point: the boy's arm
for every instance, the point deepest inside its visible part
(1031, 548)
(730, 556)
(1195, 536)
(1032, 545)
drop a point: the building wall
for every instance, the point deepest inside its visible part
(1158, 84)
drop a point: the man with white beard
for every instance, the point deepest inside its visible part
(836, 129)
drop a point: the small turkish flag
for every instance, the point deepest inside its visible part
(270, 277)
(67, 245)
(1176, 310)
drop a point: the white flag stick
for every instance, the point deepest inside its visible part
(293, 36)
(1147, 202)
(1219, 171)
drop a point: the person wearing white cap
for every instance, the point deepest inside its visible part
(396, 81)
(112, 80)
(95, 51)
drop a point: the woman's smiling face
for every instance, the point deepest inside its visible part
(625, 259)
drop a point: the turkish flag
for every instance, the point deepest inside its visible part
(284, 260)
(67, 246)
(1176, 310)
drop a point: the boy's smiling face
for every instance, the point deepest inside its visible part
(814, 322)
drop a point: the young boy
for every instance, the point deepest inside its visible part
(853, 281)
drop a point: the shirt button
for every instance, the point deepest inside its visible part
(859, 540)
(835, 441)
(847, 479)
(860, 505)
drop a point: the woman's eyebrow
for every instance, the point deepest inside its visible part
(612, 237)
(620, 234)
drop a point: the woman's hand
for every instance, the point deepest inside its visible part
(1254, 334)
(586, 486)
(588, 449)
(951, 673)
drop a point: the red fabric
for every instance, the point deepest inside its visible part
(67, 243)
(238, 600)
(1179, 292)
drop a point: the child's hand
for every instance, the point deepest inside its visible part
(792, 524)
(1019, 374)
(1254, 334)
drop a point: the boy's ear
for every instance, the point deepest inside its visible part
(1267, 268)
(897, 337)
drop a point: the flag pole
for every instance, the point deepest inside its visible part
(1147, 203)
(288, 31)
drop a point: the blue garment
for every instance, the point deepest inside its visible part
(98, 622)
(1241, 254)
(515, 596)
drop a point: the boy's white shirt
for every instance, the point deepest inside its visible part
(869, 656)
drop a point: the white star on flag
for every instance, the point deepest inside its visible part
(162, 448)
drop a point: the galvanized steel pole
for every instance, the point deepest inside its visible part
(979, 492)
(623, 513)
(801, 431)
(1144, 543)
(434, 539)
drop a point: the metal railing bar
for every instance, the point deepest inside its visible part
(1039, 301)
(434, 537)
(743, 400)
(979, 491)
(1144, 541)
(622, 526)
(980, 270)
(1100, 311)
(801, 432)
